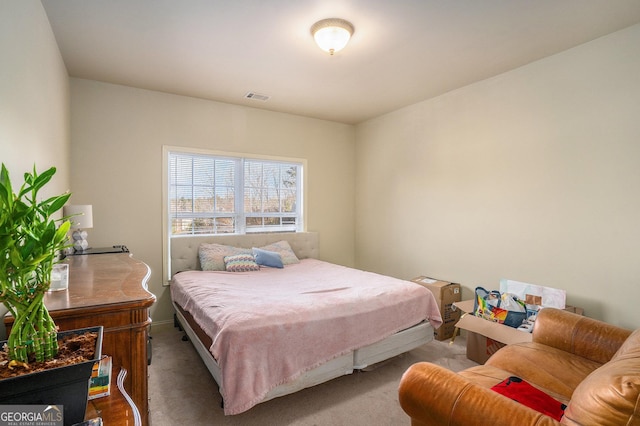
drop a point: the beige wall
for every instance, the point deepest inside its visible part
(34, 94)
(117, 136)
(533, 175)
(34, 97)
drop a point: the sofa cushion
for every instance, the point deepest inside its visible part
(578, 335)
(554, 370)
(608, 396)
(485, 375)
(630, 348)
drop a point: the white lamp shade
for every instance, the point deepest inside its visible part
(80, 216)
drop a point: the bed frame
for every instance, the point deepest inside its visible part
(184, 256)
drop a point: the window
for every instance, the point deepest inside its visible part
(207, 192)
(227, 194)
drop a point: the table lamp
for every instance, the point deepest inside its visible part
(81, 218)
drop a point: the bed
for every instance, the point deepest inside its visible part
(267, 333)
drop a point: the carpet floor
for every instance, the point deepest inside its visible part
(182, 391)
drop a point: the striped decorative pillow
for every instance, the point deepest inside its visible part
(241, 263)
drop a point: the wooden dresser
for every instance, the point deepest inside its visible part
(110, 290)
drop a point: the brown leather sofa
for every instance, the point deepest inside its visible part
(591, 366)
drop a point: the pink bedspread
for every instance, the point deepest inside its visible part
(270, 326)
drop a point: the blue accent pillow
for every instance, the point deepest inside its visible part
(267, 258)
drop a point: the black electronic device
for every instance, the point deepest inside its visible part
(101, 250)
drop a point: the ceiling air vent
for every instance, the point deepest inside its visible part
(257, 96)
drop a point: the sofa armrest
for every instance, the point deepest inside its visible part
(579, 335)
(433, 395)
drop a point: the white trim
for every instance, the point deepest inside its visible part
(166, 248)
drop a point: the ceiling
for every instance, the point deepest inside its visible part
(402, 51)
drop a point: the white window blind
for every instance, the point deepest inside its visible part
(211, 194)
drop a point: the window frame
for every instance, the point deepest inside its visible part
(240, 214)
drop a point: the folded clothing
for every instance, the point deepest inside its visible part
(520, 391)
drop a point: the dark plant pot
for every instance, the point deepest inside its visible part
(67, 386)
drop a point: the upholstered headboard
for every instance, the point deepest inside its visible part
(184, 249)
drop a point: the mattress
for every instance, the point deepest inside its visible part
(268, 327)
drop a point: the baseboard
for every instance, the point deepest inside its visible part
(161, 325)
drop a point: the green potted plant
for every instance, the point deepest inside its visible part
(31, 241)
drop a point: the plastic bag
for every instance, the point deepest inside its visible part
(501, 308)
(512, 303)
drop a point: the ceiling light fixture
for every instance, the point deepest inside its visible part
(332, 34)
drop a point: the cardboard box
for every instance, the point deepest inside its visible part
(480, 348)
(484, 337)
(446, 294)
(574, 309)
